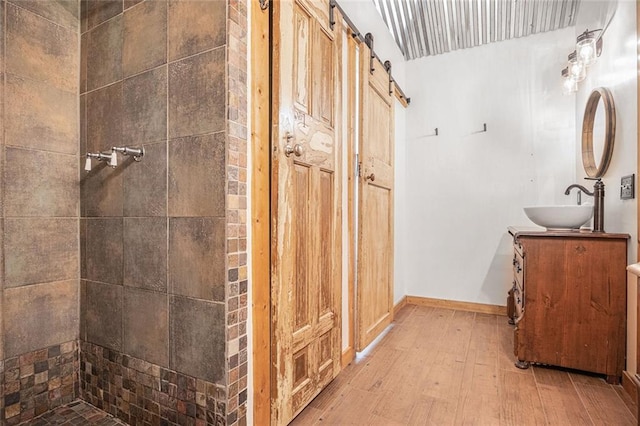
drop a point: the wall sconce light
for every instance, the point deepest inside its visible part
(589, 46)
(588, 49)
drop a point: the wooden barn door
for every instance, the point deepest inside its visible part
(306, 239)
(375, 210)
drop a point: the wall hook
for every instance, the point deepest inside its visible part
(484, 129)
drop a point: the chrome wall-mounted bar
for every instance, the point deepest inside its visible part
(136, 153)
(111, 158)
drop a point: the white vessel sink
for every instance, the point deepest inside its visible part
(559, 217)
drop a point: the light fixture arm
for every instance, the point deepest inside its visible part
(589, 33)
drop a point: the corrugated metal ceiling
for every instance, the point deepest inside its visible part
(430, 27)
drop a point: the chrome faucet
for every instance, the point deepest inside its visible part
(598, 201)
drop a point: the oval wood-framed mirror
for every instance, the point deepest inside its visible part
(600, 104)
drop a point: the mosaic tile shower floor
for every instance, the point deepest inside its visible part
(76, 413)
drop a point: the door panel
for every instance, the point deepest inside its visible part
(375, 242)
(325, 296)
(306, 252)
(300, 232)
(323, 82)
(301, 48)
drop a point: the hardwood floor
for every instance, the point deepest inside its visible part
(439, 366)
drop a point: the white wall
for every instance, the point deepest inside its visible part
(464, 188)
(616, 70)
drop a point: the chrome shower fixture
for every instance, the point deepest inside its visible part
(111, 158)
(136, 153)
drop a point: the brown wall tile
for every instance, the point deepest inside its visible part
(41, 50)
(135, 390)
(146, 325)
(101, 191)
(197, 338)
(83, 248)
(197, 95)
(40, 250)
(104, 55)
(40, 116)
(130, 3)
(195, 26)
(197, 167)
(145, 108)
(63, 12)
(197, 257)
(41, 315)
(145, 37)
(145, 253)
(2, 280)
(2, 148)
(84, 48)
(83, 129)
(102, 314)
(104, 118)
(84, 12)
(83, 304)
(39, 183)
(98, 11)
(103, 250)
(145, 183)
(2, 37)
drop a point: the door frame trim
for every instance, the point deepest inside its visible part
(260, 111)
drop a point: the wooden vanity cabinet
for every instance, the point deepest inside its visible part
(569, 295)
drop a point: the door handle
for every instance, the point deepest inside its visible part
(297, 149)
(371, 177)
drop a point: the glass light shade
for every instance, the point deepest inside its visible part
(586, 51)
(569, 85)
(577, 69)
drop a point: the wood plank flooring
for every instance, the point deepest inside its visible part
(438, 366)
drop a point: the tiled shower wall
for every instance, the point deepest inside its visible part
(163, 241)
(40, 206)
(161, 245)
